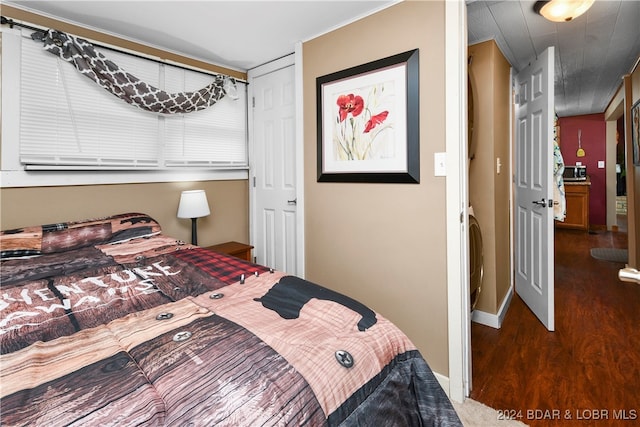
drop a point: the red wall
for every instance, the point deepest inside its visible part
(593, 138)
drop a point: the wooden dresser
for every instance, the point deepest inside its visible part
(236, 249)
(577, 196)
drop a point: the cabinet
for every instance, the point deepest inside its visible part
(236, 249)
(577, 197)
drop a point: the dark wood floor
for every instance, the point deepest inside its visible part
(589, 368)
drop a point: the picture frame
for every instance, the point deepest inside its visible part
(368, 122)
(635, 132)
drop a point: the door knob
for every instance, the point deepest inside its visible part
(293, 202)
(544, 203)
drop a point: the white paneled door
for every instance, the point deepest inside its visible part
(273, 175)
(533, 216)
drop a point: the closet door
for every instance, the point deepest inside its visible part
(274, 210)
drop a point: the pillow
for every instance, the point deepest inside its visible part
(65, 236)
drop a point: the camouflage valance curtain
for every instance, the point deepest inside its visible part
(125, 86)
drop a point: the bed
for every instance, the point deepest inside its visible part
(111, 322)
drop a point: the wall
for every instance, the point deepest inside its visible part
(593, 139)
(228, 201)
(384, 244)
(489, 190)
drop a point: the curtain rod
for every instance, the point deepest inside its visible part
(11, 23)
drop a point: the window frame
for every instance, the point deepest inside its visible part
(15, 174)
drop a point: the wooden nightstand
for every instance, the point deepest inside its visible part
(236, 249)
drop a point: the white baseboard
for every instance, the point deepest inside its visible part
(493, 320)
(444, 382)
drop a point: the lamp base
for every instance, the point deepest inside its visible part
(194, 232)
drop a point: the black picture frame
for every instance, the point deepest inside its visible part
(635, 132)
(368, 122)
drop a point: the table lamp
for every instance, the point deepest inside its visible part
(194, 205)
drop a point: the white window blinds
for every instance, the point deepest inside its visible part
(204, 138)
(68, 121)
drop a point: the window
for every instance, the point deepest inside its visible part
(215, 136)
(66, 121)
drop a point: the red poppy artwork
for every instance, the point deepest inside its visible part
(375, 120)
(361, 123)
(350, 104)
(367, 122)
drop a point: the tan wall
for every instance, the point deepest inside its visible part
(489, 192)
(228, 201)
(384, 244)
(502, 180)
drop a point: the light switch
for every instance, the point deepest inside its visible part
(600, 164)
(440, 164)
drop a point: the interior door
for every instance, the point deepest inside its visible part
(533, 216)
(273, 175)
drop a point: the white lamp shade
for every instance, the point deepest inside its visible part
(193, 204)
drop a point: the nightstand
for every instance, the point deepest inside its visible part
(236, 249)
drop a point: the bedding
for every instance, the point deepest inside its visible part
(111, 322)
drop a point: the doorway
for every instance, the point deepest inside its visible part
(621, 178)
(522, 379)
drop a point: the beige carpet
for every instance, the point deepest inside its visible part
(475, 414)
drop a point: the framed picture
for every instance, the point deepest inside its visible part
(635, 132)
(368, 122)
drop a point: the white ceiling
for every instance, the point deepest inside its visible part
(593, 52)
(237, 34)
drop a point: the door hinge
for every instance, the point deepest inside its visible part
(254, 182)
(253, 101)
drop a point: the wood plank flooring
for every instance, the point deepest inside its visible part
(585, 373)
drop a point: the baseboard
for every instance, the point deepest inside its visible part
(493, 320)
(444, 382)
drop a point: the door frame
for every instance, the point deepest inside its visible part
(458, 298)
(612, 114)
(299, 119)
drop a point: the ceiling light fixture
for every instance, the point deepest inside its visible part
(562, 10)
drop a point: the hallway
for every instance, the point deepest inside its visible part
(588, 370)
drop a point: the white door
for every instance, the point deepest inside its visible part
(533, 216)
(273, 166)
